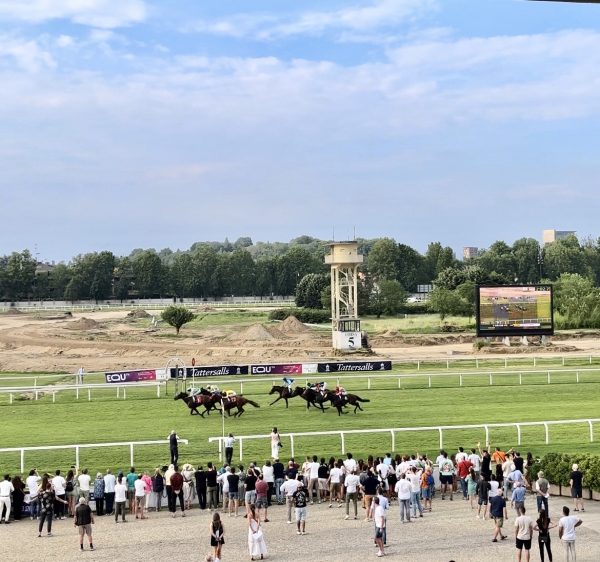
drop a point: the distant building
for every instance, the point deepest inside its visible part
(470, 252)
(551, 235)
(44, 267)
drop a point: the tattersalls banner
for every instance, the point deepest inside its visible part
(354, 366)
(210, 371)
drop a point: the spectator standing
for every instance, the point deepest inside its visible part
(80, 374)
(48, 500)
(576, 483)
(275, 443)
(566, 532)
(177, 492)
(300, 500)
(200, 478)
(233, 481)
(369, 486)
(33, 485)
(269, 477)
(212, 495)
(120, 499)
(475, 461)
(250, 495)
(335, 484)
(84, 519)
(84, 480)
(414, 477)
(518, 497)
(446, 467)
(229, 441)
(173, 446)
(262, 490)
(543, 526)
(130, 479)
(541, 494)
(523, 534)
(482, 489)
(99, 494)
(427, 486)
(6, 489)
(499, 457)
(58, 485)
(188, 485)
(498, 513)
(472, 487)
(18, 497)
(379, 516)
(256, 540)
(278, 480)
(217, 538)
(288, 488)
(313, 479)
(140, 497)
(463, 468)
(352, 483)
(350, 464)
(109, 491)
(404, 491)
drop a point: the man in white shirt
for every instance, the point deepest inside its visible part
(523, 534)
(383, 469)
(379, 514)
(140, 497)
(414, 477)
(223, 481)
(84, 484)
(289, 487)
(109, 491)
(313, 478)
(566, 532)
(6, 489)
(475, 460)
(229, 441)
(268, 473)
(352, 483)
(403, 491)
(335, 485)
(461, 455)
(349, 464)
(120, 498)
(33, 485)
(58, 484)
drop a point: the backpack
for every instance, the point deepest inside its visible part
(69, 486)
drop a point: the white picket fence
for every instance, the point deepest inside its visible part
(77, 448)
(393, 431)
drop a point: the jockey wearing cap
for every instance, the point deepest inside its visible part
(229, 393)
(193, 391)
(288, 382)
(341, 392)
(322, 387)
(213, 388)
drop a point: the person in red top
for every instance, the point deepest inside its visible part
(262, 492)
(463, 468)
(176, 491)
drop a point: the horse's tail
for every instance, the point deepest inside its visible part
(359, 399)
(252, 403)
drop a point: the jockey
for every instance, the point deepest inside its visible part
(193, 391)
(322, 387)
(213, 388)
(340, 391)
(288, 382)
(229, 392)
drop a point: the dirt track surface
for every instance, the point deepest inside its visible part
(102, 341)
(450, 532)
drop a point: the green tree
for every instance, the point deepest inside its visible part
(564, 256)
(411, 268)
(526, 258)
(450, 278)
(445, 302)
(148, 273)
(438, 258)
(387, 297)
(19, 275)
(310, 289)
(383, 259)
(177, 316)
(575, 296)
(123, 279)
(243, 278)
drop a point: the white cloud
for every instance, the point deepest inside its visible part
(97, 13)
(359, 18)
(27, 55)
(65, 41)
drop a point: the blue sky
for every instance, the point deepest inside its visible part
(141, 123)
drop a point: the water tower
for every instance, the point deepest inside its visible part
(344, 260)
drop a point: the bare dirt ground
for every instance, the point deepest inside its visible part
(103, 341)
(449, 532)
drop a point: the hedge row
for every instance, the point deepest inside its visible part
(307, 315)
(557, 469)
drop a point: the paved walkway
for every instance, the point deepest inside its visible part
(450, 532)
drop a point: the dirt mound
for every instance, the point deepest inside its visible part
(83, 324)
(518, 349)
(256, 332)
(13, 312)
(136, 314)
(291, 325)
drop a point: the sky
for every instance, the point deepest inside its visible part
(145, 123)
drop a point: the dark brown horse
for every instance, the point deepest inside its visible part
(342, 400)
(238, 401)
(314, 398)
(194, 402)
(285, 393)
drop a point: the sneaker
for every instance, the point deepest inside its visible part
(298, 533)
(494, 540)
(91, 547)
(503, 537)
(266, 520)
(330, 505)
(49, 534)
(303, 533)
(340, 504)
(289, 522)
(347, 517)
(380, 554)
(183, 515)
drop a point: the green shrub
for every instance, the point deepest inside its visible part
(557, 468)
(306, 315)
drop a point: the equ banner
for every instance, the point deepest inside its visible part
(130, 376)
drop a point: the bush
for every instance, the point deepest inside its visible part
(557, 468)
(177, 316)
(306, 315)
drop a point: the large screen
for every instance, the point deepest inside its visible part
(514, 310)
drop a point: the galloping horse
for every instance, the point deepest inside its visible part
(315, 398)
(342, 400)
(238, 401)
(285, 393)
(193, 402)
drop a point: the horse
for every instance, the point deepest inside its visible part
(342, 400)
(238, 401)
(193, 402)
(315, 398)
(285, 393)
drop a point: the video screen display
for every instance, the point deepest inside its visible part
(514, 310)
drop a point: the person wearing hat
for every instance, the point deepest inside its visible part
(84, 519)
(300, 501)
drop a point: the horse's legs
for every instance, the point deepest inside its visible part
(286, 402)
(276, 400)
(240, 411)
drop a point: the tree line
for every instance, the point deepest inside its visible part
(390, 271)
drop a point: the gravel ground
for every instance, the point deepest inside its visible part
(450, 532)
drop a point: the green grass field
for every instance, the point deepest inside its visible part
(144, 417)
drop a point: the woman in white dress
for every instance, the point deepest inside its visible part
(256, 541)
(275, 442)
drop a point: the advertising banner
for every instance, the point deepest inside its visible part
(288, 369)
(130, 376)
(354, 366)
(209, 371)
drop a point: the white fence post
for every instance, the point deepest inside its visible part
(343, 443)
(430, 382)
(520, 378)
(518, 434)
(368, 385)
(399, 382)
(292, 445)
(491, 380)
(89, 394)
(547, 434)
(460, 380)
(393, 441)
(241, 448)
(591, 432)
(548, 377)
(441, 438)
(131, 454)
(77, 457)
(22, 466)
(577, 376)
(487, 435)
